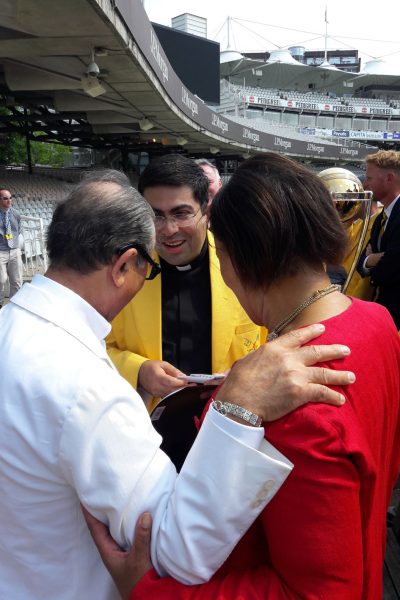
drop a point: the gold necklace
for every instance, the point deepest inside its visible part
(310, 300)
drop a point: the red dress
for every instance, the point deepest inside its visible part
(323, 535)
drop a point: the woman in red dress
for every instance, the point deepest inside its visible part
(323, 534)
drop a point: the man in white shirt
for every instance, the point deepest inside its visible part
(73, 431)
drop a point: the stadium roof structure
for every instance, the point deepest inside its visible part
(377, 72)
(282, 71)
(92, 73)
(46, 47)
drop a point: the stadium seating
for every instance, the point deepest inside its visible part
(311, 97)
(278, 129)
(352, 128)
(34, 197)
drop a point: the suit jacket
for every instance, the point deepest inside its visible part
(386, 274)
(136, 331)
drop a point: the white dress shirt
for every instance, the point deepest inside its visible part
(72, 430)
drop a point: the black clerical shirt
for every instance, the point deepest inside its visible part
(186, 314)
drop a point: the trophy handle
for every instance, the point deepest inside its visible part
(348, 195)
(360, 241)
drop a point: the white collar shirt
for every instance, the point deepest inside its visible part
(388, 209)
(72, 430)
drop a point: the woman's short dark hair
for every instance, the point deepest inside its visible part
(176, 170)
(102, 214)
(274, 217)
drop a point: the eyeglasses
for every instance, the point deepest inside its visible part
(155, 268)
(179, 219)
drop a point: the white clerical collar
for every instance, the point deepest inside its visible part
(193, 265)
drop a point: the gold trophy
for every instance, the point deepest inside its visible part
(354, 207)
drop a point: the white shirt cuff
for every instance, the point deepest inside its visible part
(250, 436)
(366, 270)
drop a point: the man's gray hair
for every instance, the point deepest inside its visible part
(204, 162)
(102, 214)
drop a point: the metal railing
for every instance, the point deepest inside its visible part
(33, 246)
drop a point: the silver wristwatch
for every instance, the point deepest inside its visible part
(227, 408)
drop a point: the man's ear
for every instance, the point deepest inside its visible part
(119, 268)
(391, 176)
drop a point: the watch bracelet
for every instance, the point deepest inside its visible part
(227, 408)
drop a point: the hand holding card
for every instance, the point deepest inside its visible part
(214, 378)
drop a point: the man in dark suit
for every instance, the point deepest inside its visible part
(381, 258)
